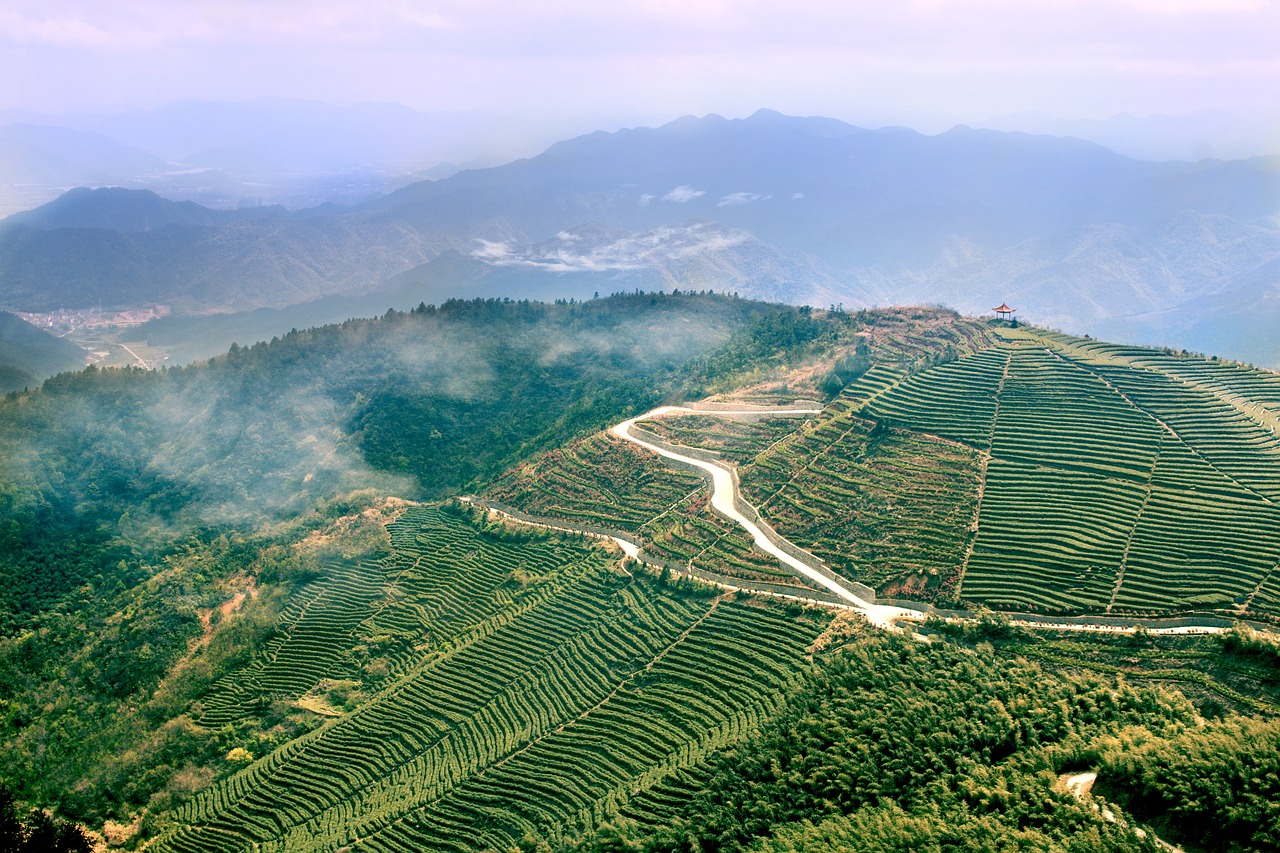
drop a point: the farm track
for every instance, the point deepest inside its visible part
(726, 498)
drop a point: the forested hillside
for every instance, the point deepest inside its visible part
(104, 465)
(244, 609)
(28, 354)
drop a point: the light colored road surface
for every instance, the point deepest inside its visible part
(725, 490)
(1114, 629)
(1079, 784)
(630, 549)
(140, 359)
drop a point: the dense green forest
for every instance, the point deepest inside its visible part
(897, 745)
(36, 832)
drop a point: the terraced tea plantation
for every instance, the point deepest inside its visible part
(888, 508)
(1037, 472)
(1115, 479)
(606, 483)
(521, 684)
(598, 481)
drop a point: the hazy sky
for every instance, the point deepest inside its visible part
(908, 61)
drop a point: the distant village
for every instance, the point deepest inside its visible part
(67, 320)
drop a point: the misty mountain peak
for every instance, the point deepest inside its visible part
(124, 210)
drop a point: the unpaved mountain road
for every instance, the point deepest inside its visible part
(725, 497)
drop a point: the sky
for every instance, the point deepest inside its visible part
(914, 62)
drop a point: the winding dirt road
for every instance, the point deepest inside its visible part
(725, 497)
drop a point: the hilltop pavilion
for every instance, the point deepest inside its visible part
(1004, 312)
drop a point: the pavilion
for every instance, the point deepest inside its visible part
(1004, 312)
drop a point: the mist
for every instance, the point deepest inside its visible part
(412, 405)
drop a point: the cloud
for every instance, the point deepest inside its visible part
(491, 250)
(647, 250)
(737, 199)
(683, 194)
(152, 23)
(68, 31)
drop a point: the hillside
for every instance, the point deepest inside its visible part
(245, 610)
(129, 248)
(801, 210)
(569, 664)
(110, 464)
(267, 151)
(1012, 468)
(29, 355)
(38, 163)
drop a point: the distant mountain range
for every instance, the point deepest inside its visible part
(805, 210)
(272, 150)
(1193, 136)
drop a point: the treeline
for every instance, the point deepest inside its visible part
(774, 340)
(36, 832)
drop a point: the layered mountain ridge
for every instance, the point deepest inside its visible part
(805, 210)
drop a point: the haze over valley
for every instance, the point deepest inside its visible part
(801, 210)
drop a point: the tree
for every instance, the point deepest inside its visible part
(37, 832)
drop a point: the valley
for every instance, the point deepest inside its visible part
(779, 208)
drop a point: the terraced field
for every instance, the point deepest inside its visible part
(1116, 478)
(1016, 468)
(693, 534)
(956, 400)
(887, 508)
(599, 481)
(527, 688)
(736, 440)
(604, 482)
(313, 642)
